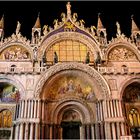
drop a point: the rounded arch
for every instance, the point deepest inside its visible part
(28, 48)
(127, 82)
(92, 44)
(100, 81)
(15, 82)
(84, 111)
(126, 45)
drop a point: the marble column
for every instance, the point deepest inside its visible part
(107, 131)
(38, 108)
(17, 131)
(36, 131)
(97, 131)
(113, 130)
(31, 131)
(122, 129)
(51, 131)
(118, 111)
(26, 131)
(29, 109)
(32, 103)
(92, 132)
(108, 109)
(105, 112)
(22, 109)
(43, 108)
(21, 131)
(25, 110)
(35, 108)
(114, 107)
(118, 130)
(82, 132)
(88, 131)
(111, 107)
(120, 108)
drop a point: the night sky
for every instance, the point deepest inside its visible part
(111, 11)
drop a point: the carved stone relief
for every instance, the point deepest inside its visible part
(122, 54)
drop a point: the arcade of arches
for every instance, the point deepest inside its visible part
(69, 82)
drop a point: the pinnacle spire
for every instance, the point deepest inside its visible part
(2, 22)
(99, 23)
(134, 27)
(37, 23)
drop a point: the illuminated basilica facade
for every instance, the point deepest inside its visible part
(70, 82)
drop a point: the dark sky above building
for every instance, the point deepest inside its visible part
(111, 11)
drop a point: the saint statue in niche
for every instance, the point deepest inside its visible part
(55, 57)
(87, 58)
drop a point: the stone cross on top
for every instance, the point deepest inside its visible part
(68, 6)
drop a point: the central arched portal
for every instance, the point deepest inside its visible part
(72, 93)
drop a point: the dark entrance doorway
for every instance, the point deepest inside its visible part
(71, 130)
(131, 104)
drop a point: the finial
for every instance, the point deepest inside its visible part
(38, 14)
(132, 16)
(118, 28)
(37, 23)
(99, 14)
(68, 6)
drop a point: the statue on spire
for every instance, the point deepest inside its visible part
(118, 29)
(18, 27)
(68, 9)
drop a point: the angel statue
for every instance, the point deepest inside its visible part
(18, 27)
(118, 28)
(63, 16)
(75, 17)
(45, 27)
(82, 22)
(55, 23)
(93, 28)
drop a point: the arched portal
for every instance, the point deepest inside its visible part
(70, 88)
(131, 106)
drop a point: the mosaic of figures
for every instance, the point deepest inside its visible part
(132, 93)
(122, 54)
(9, 93)
(14, 53)
(71, 115)
(71, 86)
